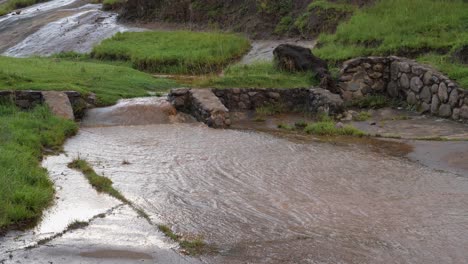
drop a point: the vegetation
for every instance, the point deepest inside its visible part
(100, 183)
(260, 75)
(179, 52)
(11, 5)
(191, 247)
(270, 109)
(373, 102)
(329, 128)
(109, 82)
(402, 27)
(362, 116)
(25, 189)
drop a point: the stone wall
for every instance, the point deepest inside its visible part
(419, 85)
(29, 99)
(212, 106)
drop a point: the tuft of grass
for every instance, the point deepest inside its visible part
(329, 128)
(260, 75)
(109, 82)
(372, 101)
(179, 52)
(11, 5)
(363, 116)
(191, 247)
(100, 183)
(270, 109)
(285, 127)
(167, 231)
(25, 188)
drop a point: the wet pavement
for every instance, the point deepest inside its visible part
(258, 197)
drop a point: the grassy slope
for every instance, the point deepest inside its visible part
(25, 189)
(259, 75)
(11, 5)
(109, 82)
(173, 52)
(402, 27)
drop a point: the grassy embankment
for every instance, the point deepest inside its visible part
(11, 5)
(109, 82)
(428, 30)
(25, 189)
(179, 52)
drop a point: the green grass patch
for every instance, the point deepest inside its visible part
(177, 52)
(325, 126)
(363, 116)
(100, 183)
(109, 82)
(25, 189)
(373, 102)
(336, 5)
(398, 27)
(191, 247)
(11, 5)
(260, 75)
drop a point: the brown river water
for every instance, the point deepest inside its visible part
(257, 197)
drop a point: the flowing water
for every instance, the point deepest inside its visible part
(257, 197)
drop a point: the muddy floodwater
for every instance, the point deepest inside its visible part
(256, 197)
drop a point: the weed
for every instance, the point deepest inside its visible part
(270, 109)
(285, 127)
(329, 128)
(362, 116)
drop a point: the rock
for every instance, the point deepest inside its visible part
(434, 88)
(274, 95)
(394, 69)
(405, 67)
(404, 81)
(425, 107)
(435, 104)
(461, 55)
(375, 75)
(379, 85)
(296, 58)
(426, 94)
(416, 84)
(453, 99)
(346, 78)
(464, 112)
(417, 70)
(207, 108)
(427, 78)
(339, 125)
(324, 99)
(236, 91)
(378, 67)
(252, 94)
(411, 98)
(443, 94)
(456, 114)
(445, 110)
(59, 104)
(392, 89)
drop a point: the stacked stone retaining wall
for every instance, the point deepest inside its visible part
(419, 85)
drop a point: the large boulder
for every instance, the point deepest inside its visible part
(296, 58)
(461, 55)
(323, 101)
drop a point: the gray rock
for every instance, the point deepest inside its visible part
(434, 88)
(411, 98)
(425, 107)
(456, 114)
(378, 67)
(427, 78)
(416, 84)
(426, 94)
(375, 75)
(453, 98)
(236, 91)
(392, 89)
(404, 81)
(464, 112)
(252, 94)
(405, 67)
(394, 69)
(443, 94)
(435, 104)
(274, 95)
(346, 78)
(445, 110)
(378, 85)
(244, 98)
(417, 70)
(322, 100)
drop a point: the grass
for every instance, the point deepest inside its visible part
(190, 247)
(177, 52)
(329, 128)
(260, 75)
(25, 189)
(270, 109)
(100, 183)
(406, 28)
(11, 5)
(363, 116)
(372, 101)
(109, 82)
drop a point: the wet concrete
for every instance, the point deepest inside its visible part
(57, 26)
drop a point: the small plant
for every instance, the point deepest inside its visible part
(300, 124)
(168, 232)
(285, 127)
(125, 162)
(372, 101)
(77, 225)
(270, 109)
(362, 116)
(329, 128)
